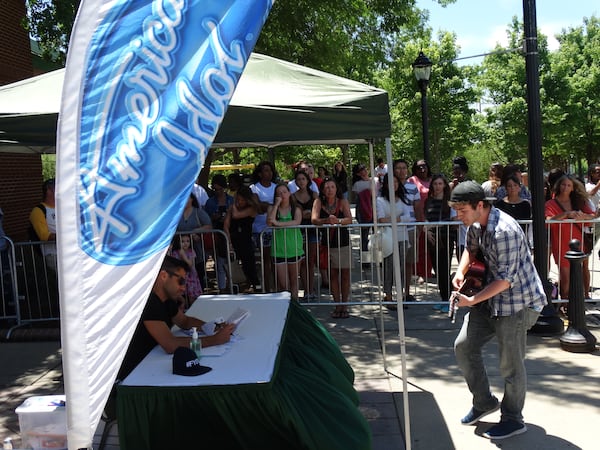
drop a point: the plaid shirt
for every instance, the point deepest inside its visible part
(507, 257)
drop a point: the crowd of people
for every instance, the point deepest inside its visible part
(279, 224)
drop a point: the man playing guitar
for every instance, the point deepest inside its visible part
(506, 307)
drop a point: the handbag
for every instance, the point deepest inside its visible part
(381, 242)
(237, 274)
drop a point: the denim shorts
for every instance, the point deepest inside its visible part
(312, 236)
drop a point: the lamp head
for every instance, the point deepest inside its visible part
(422, 67)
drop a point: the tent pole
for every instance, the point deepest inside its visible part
(399, 292)
(374, 256)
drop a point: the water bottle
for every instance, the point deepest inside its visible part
(196, 343)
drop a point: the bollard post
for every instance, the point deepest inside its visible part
(577, 338)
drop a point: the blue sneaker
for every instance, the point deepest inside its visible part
(445, 308)
(476, 415)
(505, 430)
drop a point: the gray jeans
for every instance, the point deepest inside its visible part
(511, 331)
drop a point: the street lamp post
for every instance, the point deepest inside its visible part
(422, 71)
(548, 322)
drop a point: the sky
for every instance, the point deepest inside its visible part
(480, 24)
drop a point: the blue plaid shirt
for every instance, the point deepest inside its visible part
(507, 257)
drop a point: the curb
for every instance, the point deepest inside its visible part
(29, 334)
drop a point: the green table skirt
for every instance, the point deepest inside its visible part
(310, 403)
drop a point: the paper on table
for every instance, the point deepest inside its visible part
(238, 316)
(215, 350)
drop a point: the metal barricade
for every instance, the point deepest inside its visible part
(37, 284)
(30, 286)
(9, 307)
(587, 232)
(213, 260)
(366, 273)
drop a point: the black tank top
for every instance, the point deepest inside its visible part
(338, 236)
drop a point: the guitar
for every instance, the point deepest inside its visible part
(474, 282)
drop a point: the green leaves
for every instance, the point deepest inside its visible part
(51, 22)
(573, 90)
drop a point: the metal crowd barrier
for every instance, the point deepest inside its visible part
(32, 295)
(367, 270)
(9, 307)
(588, 244)
(29, 286)
(216, 268)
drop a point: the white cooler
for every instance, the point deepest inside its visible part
(43, 422)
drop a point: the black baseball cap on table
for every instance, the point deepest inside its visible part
(186, 363)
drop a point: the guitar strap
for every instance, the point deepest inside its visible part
(479, 255)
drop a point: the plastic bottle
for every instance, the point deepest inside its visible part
(196, 343)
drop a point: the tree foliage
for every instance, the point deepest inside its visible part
(449, 98)
(574, 89)
(503, 80)
(350, 38)
(51, 22)
(346, 37)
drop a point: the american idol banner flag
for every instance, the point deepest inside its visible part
(146, 87)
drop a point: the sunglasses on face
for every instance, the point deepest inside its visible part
(180, 279)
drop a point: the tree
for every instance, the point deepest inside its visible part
(450, 99)
(346, 37)
(349, 38)
(503, 79)
(574, 89)
(51, 22)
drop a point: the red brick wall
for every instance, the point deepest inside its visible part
(20, 190)
(15, 51)
(20, 175)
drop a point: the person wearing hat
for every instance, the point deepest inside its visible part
(506, 307)
(160, 313)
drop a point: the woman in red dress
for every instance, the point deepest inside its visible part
(570, 202)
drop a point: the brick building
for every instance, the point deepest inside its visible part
(20, 174)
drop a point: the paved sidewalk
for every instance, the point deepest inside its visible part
(562, 405)
(563, 395)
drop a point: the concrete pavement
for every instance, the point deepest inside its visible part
(562, 405)
(561, 409)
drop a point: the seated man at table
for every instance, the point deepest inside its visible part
(160, 313)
